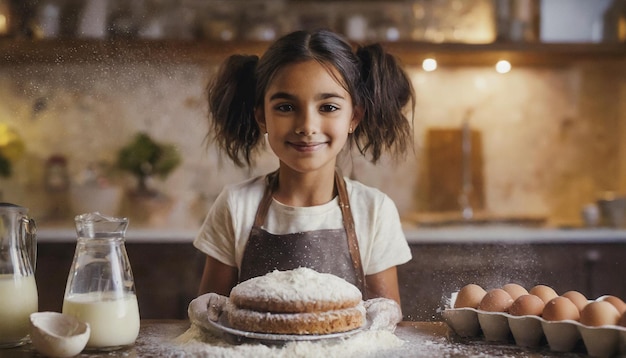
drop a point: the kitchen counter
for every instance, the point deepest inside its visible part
(510, 234)
(415, 235)
(421, 339)
(141, 235)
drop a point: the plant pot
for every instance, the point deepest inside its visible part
(148, 208)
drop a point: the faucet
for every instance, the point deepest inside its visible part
(466, 167)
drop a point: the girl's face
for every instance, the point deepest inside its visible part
(307, 115)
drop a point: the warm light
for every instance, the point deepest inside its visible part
(503, 66)
(429, 64)
(3, 24)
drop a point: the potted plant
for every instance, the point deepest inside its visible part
(145, 158)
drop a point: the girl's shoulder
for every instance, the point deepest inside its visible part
(247, 185)
(370, 204)
(249, 189)
(356, 189)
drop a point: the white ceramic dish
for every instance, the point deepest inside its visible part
(58, 335)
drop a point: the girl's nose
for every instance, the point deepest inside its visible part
(306, 122)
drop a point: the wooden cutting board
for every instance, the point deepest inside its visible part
(444, 157)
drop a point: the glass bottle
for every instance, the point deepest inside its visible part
(100, 287)
(18, 290)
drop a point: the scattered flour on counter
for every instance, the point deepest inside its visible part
(196, 342)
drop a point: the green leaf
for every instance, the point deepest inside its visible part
(144, 157)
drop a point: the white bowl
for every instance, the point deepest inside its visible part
(58, 335)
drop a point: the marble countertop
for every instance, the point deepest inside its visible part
(415, 235)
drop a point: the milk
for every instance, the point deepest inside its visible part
(18, 299)
(114, 322)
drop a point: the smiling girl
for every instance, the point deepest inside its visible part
(309, 96)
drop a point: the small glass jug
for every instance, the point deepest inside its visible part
(18, 290)
(100, 287)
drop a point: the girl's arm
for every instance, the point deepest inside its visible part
(217, 277)
(384, 284)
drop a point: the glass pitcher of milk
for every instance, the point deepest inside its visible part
(100, 287)
(18, 290)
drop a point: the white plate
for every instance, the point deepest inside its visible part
(274, 339)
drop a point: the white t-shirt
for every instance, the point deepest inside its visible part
(226, 229)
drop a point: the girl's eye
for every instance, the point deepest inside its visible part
(329, 108)
(284, 108)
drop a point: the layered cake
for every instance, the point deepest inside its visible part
(300, 301)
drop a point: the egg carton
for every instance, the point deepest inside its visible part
(529, 331)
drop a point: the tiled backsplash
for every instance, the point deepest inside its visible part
(552, 136)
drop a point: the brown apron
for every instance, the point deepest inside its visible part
(334, 251)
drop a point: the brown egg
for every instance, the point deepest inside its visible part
(496, 300)
(515, 290)
(559, 309)
(622, 320)
(527, 305)
(617, 302)
(546, 293)
(578, 298)
(469, 296)
(599, 313)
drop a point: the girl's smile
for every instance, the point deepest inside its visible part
(307, 146)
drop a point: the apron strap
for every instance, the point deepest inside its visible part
(266, 201)
(348, 223)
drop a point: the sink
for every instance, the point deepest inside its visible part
(441, 219)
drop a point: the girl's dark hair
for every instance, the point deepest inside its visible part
(373, 78)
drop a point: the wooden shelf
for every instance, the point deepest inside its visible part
(15, 51)
(520, 54)
(94, 51)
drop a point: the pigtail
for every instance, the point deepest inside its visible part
(386, 90)
(231, 108)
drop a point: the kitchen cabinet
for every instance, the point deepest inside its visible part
(59, 52)
(437, 270)
(167, 275)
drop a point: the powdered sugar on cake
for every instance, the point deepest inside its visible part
(301, 285)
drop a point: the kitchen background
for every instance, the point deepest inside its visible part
(547, 139)
(81, 79)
